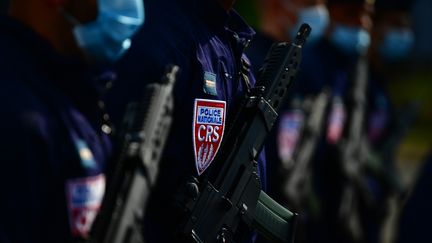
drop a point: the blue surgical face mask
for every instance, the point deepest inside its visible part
(351, 40)
(397, 44)
(317, 17)
(107, 38)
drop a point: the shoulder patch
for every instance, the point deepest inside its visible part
(336, 121)
(208, 131)
(84, 198)
(210, 83)
(290, 126)
(85, 154)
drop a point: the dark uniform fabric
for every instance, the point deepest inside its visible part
(200, 37)
(258, 49)
(414, 222)
(51, 136)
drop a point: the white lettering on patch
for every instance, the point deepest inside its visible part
(208, 129)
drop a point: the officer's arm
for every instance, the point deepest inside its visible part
(29, 201)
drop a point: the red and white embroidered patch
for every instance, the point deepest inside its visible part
(336, 122)
(84, 198)
(290, 126)
(208, 130)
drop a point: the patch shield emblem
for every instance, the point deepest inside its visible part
(290, 127)
(84, 198)
(208, 130)
(336, 121)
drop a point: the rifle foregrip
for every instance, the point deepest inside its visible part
(273, 221)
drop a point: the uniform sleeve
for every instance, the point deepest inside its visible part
(29, 204)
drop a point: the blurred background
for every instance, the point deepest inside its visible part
(411, 81)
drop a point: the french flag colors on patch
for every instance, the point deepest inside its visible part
(208, 130)
(84, 198)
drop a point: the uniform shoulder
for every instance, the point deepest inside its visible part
(20, 106)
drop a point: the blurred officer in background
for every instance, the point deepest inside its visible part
(206, 39)
(329, 63)
(392, 42)
(55, 142)
(342, 53)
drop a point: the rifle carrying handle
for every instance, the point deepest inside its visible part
(273, 221)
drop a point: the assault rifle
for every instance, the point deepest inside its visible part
(218, 211)
(353, 153)
(297, 186)
(146, 129)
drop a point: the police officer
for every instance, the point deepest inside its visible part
(392, 42)
(206, 39)
(347, 40)
(55, 143)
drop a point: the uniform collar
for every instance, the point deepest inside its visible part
(237, 25)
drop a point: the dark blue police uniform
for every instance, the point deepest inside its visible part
(53, 150)
(207, 43)
(414, 222)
